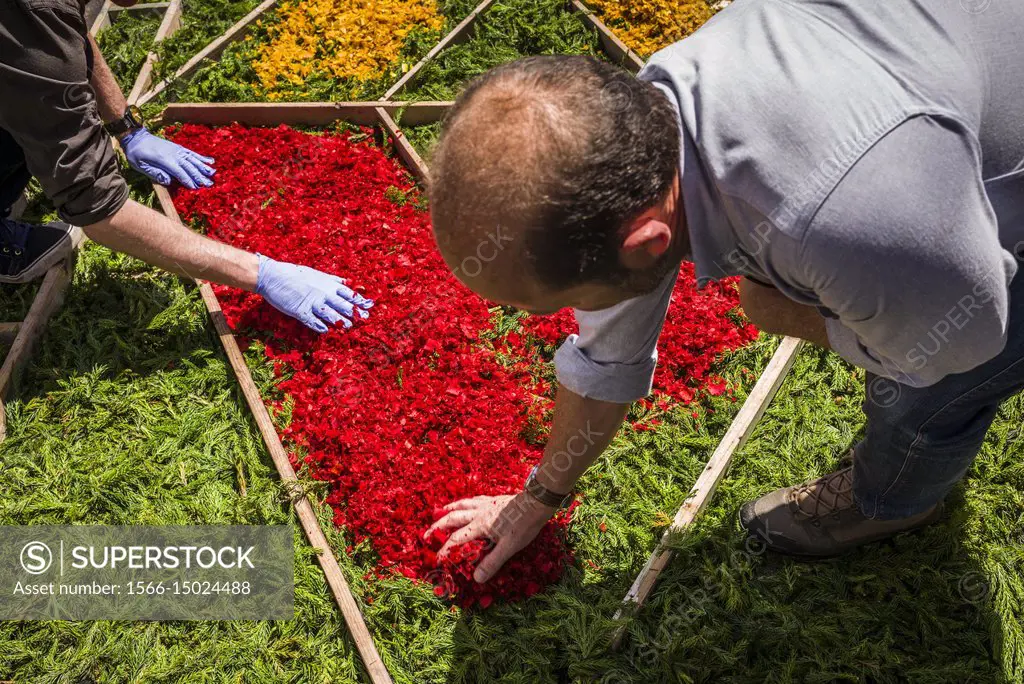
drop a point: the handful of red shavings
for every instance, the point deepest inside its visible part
(700, 325)
(405, 412)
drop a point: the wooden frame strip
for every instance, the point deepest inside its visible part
(457, 35)
(270, 113)
(615, 48)
(142, 8)
(405, 150)
(171, 22)
(102, 19)
(700, 495)
(417, 113)
(47, 300)
(303, 507)
(300, 113)
(211, 51)
(105, 16)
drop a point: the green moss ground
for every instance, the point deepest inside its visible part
(128, 414)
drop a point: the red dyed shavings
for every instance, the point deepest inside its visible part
(405, 412)
(699, 327)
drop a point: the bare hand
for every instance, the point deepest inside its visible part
(510, 522)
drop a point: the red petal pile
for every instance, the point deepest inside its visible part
(408, 410)
(699, 326)
(405, 412)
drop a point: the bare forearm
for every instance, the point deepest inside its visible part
(157, 240)
(109, 98)
(774, 313)
(581, 431)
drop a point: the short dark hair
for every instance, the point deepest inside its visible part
(604, 149)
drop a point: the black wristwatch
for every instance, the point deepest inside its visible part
(131, 120)
(545, 495)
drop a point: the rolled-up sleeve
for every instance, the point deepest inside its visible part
(50, 108)
(616, 351)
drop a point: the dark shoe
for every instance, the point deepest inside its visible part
(28, 251)
(819, 519)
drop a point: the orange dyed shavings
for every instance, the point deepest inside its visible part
(646, 26)
(339, 39)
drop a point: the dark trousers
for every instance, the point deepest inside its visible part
(921, 440)
(14, 175)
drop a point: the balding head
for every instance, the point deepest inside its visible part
(541, 166)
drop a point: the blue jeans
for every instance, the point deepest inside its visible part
(921, 441)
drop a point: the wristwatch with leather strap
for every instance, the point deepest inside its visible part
(545, 495)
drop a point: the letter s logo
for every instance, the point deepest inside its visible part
(36, 558)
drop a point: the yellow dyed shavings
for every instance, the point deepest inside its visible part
(343, 39)
(646, 26)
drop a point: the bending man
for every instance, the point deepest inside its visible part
(861, 165)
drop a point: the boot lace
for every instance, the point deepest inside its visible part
(827, 495)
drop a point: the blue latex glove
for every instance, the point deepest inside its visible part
(161, 159)
(312, 297)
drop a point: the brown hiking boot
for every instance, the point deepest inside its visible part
(846, 460)
(819, 519)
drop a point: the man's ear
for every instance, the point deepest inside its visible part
(646, 241)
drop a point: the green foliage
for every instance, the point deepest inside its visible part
(128, 414)
(126, 42)
(201, 22)
(510, 29)
(422, 137)
(396, 195)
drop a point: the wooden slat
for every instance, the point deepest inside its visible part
(271, 113)
(405, 151)
(47, 300)
(141, 8)
(171, 22)
(211, 51)
(417, 113)
(303, 508)
(739, 431)
(102, 19)
(460, 33)
(301, 113)
(614, 47)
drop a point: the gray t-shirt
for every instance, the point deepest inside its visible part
(863, 156)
